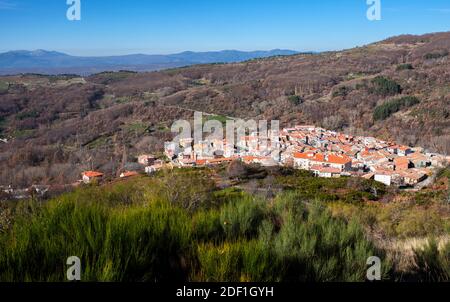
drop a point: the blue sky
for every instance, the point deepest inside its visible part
(110, 27)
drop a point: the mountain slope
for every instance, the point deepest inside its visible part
(59, 126)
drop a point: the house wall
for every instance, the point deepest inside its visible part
(385, 179)
(301, 163)
(86, 179)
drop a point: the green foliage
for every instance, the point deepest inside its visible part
(295, 100)
(137, 128)
(385, 110)
(131, 232)
(242, 218)
(5, 216)
(404, 67)
(136, 244)
(4, 87)
(27, 114)
(341, 91)
(62, 77)
(199, 82)
(2, 125)
(113, 77)
(445, 172)
(311, 246)
(308, 187)
(420, 223)
(208, 226)
(432, 263)
(410, 218)
(147, 244)
(23, 133)
(300, 241)
(192, 189)
(239, 261)
(222, 119)
(384, 86)
(436, 55)
(176, 226)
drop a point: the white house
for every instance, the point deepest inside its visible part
(404, 151)
(384, 178)
(90, 176)
(146, 159)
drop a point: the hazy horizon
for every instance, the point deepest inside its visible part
(150, 54)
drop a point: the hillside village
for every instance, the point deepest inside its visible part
(52, 128)
(325, 153)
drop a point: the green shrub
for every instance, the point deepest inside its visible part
(242, 218)
(220, 118)
(436, 55)
(4, 87)
(417, 223)
(385, 110)
(322, 248)
(219, 263)
(311, 247)
(432, 264)
(147, 244)
(404, 67)
(36, 248)
(27, 114)
(384, 86)
(289, 202)
(295, 100)
(114, 244)
(141, 230)
(190, 188)
(341, 91)
(208, 226)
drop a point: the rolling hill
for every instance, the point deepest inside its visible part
(56, 126)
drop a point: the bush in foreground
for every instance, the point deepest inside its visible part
(241, 238)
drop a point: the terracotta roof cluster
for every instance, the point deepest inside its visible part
(310, 147)
(325, 158)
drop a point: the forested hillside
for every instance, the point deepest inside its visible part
(58, 126)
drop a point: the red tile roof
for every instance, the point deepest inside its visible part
(129, 174)
(401, 161)
(92, 174)
(200, 162)
(404, 148)
(319, 157)
(336, 159)
(308, 155)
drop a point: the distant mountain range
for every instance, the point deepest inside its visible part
(52, 62)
